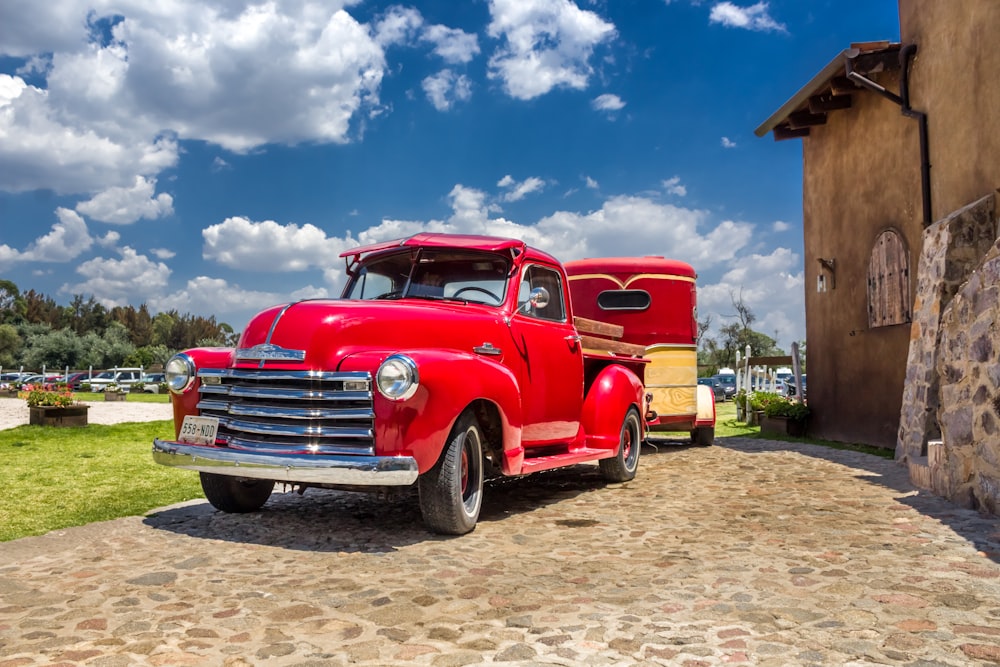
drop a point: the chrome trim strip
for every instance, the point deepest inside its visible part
(296, 431)
(268, 352)
(285, 413)
(287, 394)
(267, 375)
(342, 447)
(302, 468)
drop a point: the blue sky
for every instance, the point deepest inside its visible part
(215, 157)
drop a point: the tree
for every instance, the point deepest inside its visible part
(53, 349)
(10, 345)
(717, 353)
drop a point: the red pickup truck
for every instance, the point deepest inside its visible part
(447, 358)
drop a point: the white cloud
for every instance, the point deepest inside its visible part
(545, 44)
(215, 295)
(728, 143)
(755, 17)
(454, 46)
(445, 88)
(238, 242)
(591, 183)
(607, 102)
(110, 240)
(64, 242)
(118, 282)
(237, 76)
(673, 186)
(162, 253)
(771, 285)
(124, 206)
(518, 191)
(780, 226)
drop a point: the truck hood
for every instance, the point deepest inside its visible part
(327, 331)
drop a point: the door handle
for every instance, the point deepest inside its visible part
(573, 340)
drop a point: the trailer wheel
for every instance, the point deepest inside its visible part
(703, 436)
(236, 495)
(622, 466)
(451, 493)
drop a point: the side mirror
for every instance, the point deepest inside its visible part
(538, 298)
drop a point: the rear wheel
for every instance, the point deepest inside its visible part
(622, 466)
(451, 493)
(236, 495)
(703, 436)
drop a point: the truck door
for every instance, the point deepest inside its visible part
(551, 361)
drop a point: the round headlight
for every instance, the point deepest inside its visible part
(397, 378)
(179, 373)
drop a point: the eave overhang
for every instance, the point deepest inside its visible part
(829, 90)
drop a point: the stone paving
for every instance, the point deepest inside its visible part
(752, 552)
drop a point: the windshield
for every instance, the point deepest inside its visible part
(433, 274)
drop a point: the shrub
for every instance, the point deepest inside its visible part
(786, 407)
(37, 396)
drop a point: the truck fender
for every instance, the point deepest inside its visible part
(706, 407)
(450, 382)
(613, 392)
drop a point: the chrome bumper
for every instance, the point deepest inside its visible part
(301, 468)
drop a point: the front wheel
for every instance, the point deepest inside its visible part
(236, 495)
(451, 493)
(622, 466)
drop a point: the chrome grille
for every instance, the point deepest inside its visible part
(290, 412)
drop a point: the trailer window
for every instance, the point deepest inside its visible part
(624, 299)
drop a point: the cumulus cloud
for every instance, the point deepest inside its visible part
(517, 191)
(238, 242)
(65, 241)
(591, 183)
(117, 100)
(607, 102)
(445, 88)
(452, 45)
(755, 17)
(545, 44)
(125, 205)
(118, 282)
(728, 143)
(673, 186)
(780, 226)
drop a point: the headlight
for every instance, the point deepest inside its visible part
(397, 378)
(179, 373)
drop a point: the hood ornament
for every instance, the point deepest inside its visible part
(269, 352)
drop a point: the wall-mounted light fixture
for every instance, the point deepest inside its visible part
(822, 279)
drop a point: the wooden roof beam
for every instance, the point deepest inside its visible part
(801, 119)
(841, 85)
(783, 132)
(824, 103)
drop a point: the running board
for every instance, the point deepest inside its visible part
(582, 455)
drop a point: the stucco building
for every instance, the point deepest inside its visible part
(901, 163)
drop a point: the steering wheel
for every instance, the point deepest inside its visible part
(479, 289)
(390, 294)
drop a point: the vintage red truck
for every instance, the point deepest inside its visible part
(447, 358)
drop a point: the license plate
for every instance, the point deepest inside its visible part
(199, 430)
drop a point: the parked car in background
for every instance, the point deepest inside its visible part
(790, 389)
(728, 381)
(151, 382)
(717, 389)
(120, 376)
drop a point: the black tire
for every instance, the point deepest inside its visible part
(451, 493)
(622, 466)
(703, 436)
(236, 495)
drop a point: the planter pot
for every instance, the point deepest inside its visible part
(783, 426)
(47, 415)
(9, 393)
(114, 396)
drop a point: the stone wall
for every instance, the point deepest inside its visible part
(952, 248)
(951, 399)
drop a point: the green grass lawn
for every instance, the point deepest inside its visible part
(60, 477)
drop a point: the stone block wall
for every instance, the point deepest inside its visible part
(968, 470)
(952, 249)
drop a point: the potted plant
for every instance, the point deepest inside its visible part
(53, 407)
(785, 416)
(114, 392)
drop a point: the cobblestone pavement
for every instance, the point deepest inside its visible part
(750, 552)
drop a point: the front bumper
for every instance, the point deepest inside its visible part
(292, 468)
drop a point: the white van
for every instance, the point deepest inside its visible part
(120, 376)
